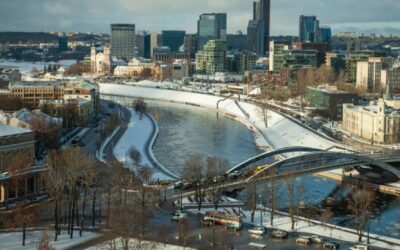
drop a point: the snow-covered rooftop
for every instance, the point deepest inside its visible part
(8, 130)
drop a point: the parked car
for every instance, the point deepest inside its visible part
(303, 240)
(316, 239)
(359, 247)
(177, 216)
(178, 185)
(232, 226)
(258, 231)
(207, 223)
(331, 245)
(256, 246)
(279, 234)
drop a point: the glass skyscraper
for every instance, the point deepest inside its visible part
(211, 26)
(309, 29)
(173, 39)
(123, 41)
(262, 12)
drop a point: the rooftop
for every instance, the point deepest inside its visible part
(8, 130)
(36, 84)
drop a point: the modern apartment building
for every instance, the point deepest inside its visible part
(212, 59)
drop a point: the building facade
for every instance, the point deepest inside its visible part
(391, 81)
(351, 60)
(123, 41)
(20, 178)
(173, 39)
(100, 62)
(255, 37)
(329, 100)
(211, 26)
(369, 74)
(376, 123)
(309, 29)
(212, 59)
(262, 12)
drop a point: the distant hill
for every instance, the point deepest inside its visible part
(24, 37)
(41, 37)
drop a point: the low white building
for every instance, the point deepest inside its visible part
(377, 122)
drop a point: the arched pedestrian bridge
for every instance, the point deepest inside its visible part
(306, 160)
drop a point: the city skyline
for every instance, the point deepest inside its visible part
(96, 16)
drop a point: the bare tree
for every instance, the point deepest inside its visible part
(326, 215)
(312, 212)
(360, 203)
(215, 169)
(251, 202)
(55, 183)
(290, 181)
(195, 174)
(23, 216)
(44, 243)
(140, 106)
(271, 194)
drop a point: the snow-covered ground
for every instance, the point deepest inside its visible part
(283, 222)
(26, 67)
(100, 151)
(280, 132)
(135, 244)
(139, 135)
(14, 240)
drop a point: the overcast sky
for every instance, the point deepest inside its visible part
(378, 16)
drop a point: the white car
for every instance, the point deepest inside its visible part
(303, 240)
(359, 247)
(179, 216)
(316, 239)
(257, 231)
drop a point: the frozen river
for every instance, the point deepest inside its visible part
(185, 130)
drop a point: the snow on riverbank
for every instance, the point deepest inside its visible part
(139, 135)
(100, 152)
(280, 132)
(283, 222)
(14, 240)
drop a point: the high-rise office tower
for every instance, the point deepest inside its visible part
(309, 29)
(262, 12)
(173, 39)
(325, 34)
(123, 41)
(210, 26)
(255, 37)
(62, 44)
(190, 45)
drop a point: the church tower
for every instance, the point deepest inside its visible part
(107, 60)
(93, 66)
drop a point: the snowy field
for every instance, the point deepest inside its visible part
(280, 132)
(13, 241)
(139, 136)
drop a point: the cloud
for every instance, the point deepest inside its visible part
(155, 15)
